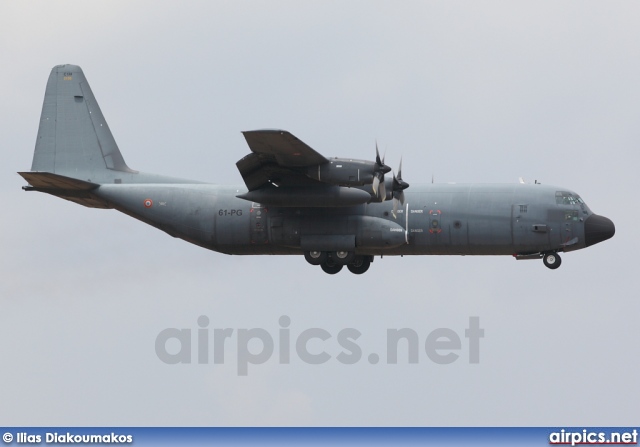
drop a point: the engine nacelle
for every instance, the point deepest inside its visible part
(343, 172)
(375, 232)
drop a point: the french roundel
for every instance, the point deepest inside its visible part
(148, 203)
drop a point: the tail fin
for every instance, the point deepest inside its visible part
(74, 139)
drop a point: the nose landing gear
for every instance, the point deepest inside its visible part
(552, 260)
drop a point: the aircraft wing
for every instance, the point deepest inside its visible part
(276, 158)
(287, 150)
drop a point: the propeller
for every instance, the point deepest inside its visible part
(398, 188)
(379, 170)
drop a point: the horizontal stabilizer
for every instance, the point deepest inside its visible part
(47, 180)
(74, 190)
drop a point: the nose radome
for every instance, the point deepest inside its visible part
(598, 229)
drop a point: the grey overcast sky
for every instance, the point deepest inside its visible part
(476, 91)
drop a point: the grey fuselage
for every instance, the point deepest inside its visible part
(436, 219)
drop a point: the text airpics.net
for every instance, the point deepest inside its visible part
(313, 346)
(592, 437)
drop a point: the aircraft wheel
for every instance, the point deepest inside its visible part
(331, 267)
(552, 260)
(343, 257)
(359, 265)
(315, 257)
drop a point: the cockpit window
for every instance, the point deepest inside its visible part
(567, 198)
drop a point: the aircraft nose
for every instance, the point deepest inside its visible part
(598, 229)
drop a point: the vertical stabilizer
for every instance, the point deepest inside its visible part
(73, 138)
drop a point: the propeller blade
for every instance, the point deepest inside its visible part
(398, 198)
(406, 224)
(403, 184)
(380, 166)
(378, 184)
(399, 185)
(374, 185)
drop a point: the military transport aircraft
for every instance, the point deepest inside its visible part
(334, 211)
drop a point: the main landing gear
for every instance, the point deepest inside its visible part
(332, 262)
